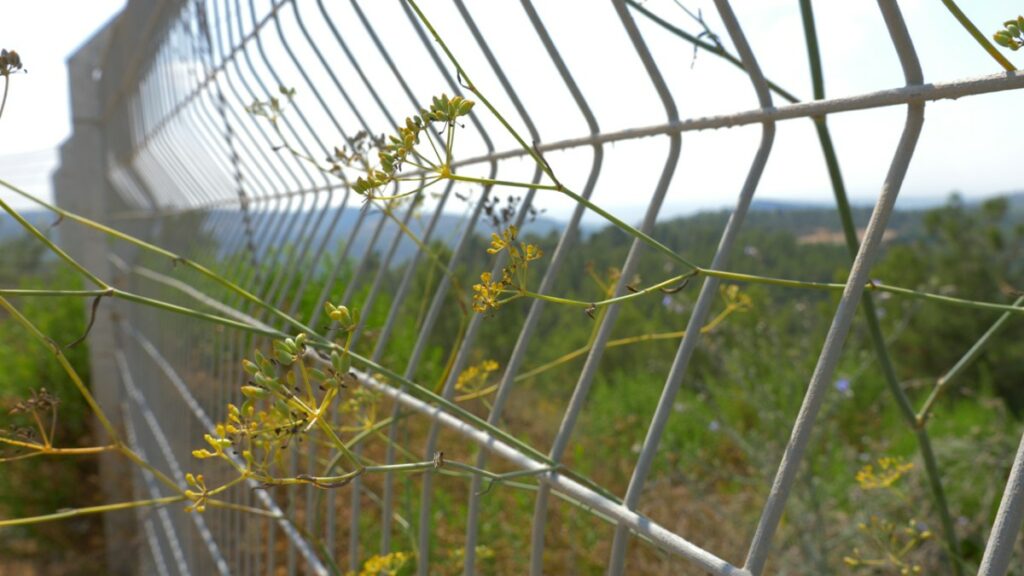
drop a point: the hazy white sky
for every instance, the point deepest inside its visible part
(37, 117)
(960, 147)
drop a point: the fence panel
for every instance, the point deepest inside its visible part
(191, 169)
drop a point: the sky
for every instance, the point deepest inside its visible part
(37, 116)
(964, 146)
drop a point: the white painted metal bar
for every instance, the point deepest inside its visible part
(837, 333)
(660, 536)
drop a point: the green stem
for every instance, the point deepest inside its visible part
(130, 297)
(966, 360)
(714, 49)
(65, 514)
(26, 445)
(751, 278)
(946, 299)
(617, 300)
(509, 183)
(242, 508)
(402, 195)
(643, 237)
(46, 293)
(7, 84)
(980, 38)
(163, 478)
(870, 287)
(49, 244)
(175, 258)
(339, 444)
(234, 482)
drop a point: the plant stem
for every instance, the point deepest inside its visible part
(83, 451)
(339, 443)
(584, 349)
(966, 360)
(46, 293)
(175, 258)
(236, 481)
(618, 299)
(242, 508)
(163, 478)
(871, 286)
(64, 514)
(42, 429)
(49, 244)
(7, 84)
(645, 238)
(714, 49)
(130, 297)
(980, 38)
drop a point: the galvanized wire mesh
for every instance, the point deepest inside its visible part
(191, 170)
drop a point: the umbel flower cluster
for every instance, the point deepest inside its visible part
(286, 398)
(487, 294)
(10, 62)
(281, 403)
(1012, 34)
(398, 148)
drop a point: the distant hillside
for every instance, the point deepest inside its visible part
(819, 223)
(814, 222)
(335, 229)
(1016, 203)
(810, 223)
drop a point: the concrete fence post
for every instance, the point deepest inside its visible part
(81, 186)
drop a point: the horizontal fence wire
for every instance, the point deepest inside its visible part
(192, 169)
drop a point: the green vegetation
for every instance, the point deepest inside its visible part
(737, 406)
(32, 385)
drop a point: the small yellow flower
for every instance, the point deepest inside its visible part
(533, 252)
(473, 378)
(486, 293)
(387, 564)
(513, 274)
(507, 238)
(889, 471)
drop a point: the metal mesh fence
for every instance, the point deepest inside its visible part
(188, 168)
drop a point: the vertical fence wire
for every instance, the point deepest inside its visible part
(834, 340)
